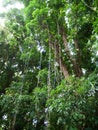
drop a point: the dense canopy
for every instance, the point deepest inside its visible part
(49, 65)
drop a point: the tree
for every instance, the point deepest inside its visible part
(49, 65)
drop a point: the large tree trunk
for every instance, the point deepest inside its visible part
(78, 57)
(60, 61)
(63, 68)
(57, 52)
(76, 67)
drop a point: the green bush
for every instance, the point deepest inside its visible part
(73, 105)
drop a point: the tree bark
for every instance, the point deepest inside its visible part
(63, 67)
(60, 61)
(76, 67)
(57, 52)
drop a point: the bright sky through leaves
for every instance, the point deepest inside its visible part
(7, 8)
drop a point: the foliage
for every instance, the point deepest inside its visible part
(71, 105)
(49, 65)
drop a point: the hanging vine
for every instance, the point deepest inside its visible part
(18, 101)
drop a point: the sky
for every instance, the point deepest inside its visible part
(6, 9)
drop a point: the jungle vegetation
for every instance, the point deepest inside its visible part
(49, 65)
